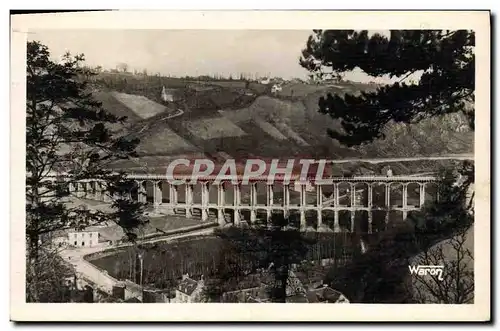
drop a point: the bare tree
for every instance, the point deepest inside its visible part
(456, 285)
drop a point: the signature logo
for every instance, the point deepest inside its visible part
(427, 270)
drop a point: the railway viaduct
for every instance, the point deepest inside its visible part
(331, 204)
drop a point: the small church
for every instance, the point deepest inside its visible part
(167, 95)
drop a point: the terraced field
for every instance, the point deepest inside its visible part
(215, 127)
(207, 121)
(163, 141)
(140, 105)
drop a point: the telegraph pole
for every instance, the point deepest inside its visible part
(141, 260)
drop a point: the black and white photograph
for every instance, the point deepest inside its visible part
(233, 165)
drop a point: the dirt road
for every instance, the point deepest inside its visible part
(407, 159)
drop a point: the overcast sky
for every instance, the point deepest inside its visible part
(189, 52)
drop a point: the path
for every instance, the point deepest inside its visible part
(403, 159)
(178, 113)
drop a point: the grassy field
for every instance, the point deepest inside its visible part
(165, 262)
(220, 116)
(140, 105)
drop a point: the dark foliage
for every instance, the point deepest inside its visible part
(274, 248)
(445, 60)
(68, 140)
(379, 275)
(49, 280)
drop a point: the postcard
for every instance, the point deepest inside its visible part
(187, 165)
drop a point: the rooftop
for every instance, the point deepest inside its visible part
(326, 295)
(187, 286)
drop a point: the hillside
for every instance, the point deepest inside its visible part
(229, 119)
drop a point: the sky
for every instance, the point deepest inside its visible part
(264, 53)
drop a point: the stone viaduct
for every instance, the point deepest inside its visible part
(334, 204)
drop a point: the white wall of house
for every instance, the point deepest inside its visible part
(276, 89)
(167, 97)
(181, 297)
(83, 238)
(196, 295)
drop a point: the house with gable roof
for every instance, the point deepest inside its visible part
(188, 290)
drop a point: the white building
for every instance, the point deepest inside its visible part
(188, 290)
(389, 172)
(276, 88)
(83, 238)
(265, 81)
(167, 96)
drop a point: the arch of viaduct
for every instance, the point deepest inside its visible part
(225, 202)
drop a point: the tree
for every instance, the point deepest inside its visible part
(68, 140)
(47, 280)
(229, 269)
(275, 248)
(457, 283)
(122, 67)
(451, 213)
(445, 60)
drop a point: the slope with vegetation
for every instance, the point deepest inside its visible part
(243, 119)
(276, 126)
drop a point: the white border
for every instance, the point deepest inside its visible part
(478, 21)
